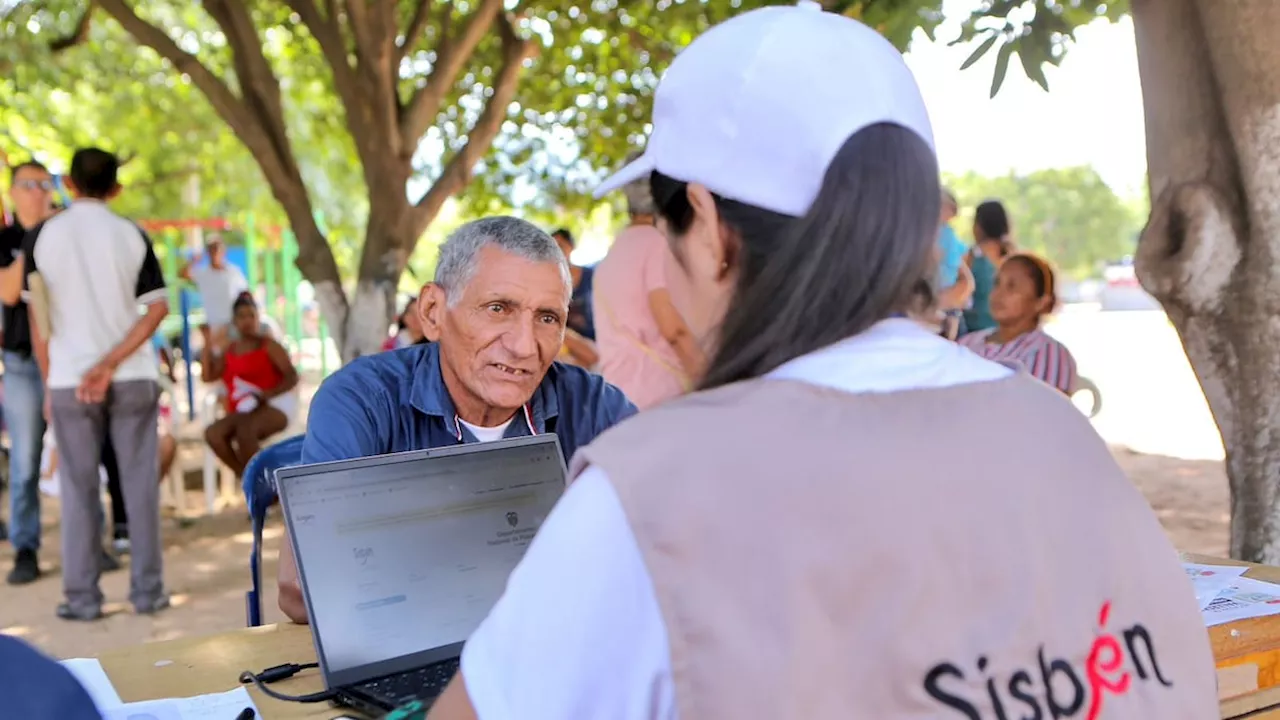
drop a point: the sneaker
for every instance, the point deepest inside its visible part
(120, 545)
(26, 568)
(153, 607)
(108, 562)
(66, 612)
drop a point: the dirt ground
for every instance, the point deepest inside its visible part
(206, 564)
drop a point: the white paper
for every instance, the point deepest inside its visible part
(1245, 598)
(1210, 580)
(215, 706)
(95, 682)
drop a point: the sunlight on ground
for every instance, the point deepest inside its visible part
(1151, 400)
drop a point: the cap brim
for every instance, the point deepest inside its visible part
(635, 170)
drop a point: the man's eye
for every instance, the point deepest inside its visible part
(550, 319)
(496, 307)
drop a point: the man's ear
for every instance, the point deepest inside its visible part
(431, 308)
(115, 192)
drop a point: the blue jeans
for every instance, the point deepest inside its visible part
(24, 415)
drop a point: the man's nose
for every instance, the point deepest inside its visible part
(521, 339)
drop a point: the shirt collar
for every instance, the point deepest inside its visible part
(892, 355)
(429, 395)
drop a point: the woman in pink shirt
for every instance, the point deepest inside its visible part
(645, 347)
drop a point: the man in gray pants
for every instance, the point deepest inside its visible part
(86, 272)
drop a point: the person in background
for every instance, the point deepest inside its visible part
(408, 328)
(955, 281)
(32, 194)
(645, 346)
(991, 245)
(259, 378)
(36, 687)
(495, 314)
(87, 270)
(723, 556)
(580, 327)
(218, 283)
(1025, 293)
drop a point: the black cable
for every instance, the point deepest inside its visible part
(280, 672)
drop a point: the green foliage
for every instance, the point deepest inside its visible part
(583, 104)
(1069, 215)
(1037, 31)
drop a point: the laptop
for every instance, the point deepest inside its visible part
(401, 556)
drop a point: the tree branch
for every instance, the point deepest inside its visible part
(77, 36)
(224, 102)
(457, 172)
(259, 87)
(452, 55)
(417, 26)
(328, 35)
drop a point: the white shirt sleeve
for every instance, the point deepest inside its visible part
(236, 281)
(578, 632)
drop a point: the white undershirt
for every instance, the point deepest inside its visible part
(487, 434)
(578, 632)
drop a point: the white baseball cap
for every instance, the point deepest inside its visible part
(756, 107)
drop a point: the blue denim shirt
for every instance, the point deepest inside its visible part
(396, 401)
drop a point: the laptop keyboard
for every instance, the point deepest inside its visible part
(421, 684)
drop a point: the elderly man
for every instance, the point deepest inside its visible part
(496, 312)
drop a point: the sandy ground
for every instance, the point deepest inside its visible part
(1154, 415)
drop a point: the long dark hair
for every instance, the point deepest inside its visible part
(861, 254)
(993, 221)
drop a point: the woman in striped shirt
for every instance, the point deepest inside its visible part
(1023, 294)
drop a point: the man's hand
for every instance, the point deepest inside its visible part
(48, 408)
(95, 383)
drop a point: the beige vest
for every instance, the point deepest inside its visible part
(964, 552)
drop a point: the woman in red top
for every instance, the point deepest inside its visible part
(259, 380)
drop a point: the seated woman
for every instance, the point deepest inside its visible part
(259, 378)
(1025, 291)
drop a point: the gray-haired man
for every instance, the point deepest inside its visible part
(496, 316)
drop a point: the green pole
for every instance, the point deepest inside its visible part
(324, 328)
(251, 251)
(171, 268)
(269, 280)
(290, 277)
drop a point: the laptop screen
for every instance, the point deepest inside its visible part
(400, 557)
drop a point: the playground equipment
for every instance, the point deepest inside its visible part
(267, 259)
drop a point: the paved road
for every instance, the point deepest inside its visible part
(1151, 399)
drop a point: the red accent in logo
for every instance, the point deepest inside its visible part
(1105, 660)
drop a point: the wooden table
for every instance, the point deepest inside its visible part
(210, 664)
(1247, 653)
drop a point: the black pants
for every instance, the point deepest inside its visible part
(119, 516)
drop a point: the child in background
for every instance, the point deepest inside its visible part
(1025, 292)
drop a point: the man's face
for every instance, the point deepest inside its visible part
(217, 253)
(502, 333)
(32, 193)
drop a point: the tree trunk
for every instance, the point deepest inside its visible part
(1211, 88)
